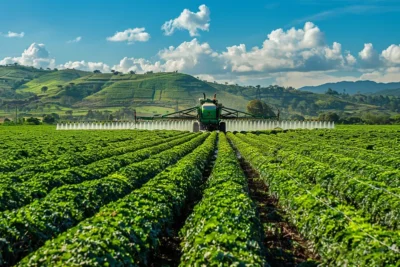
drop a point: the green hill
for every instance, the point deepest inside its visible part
(104, 90)
(164, 92)
(148, 88)
(11, 77)
(51, 80)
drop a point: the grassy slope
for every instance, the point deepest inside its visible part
(150, 87)
(51, 80)
(20, 72)
(11, 74)
(158, 89)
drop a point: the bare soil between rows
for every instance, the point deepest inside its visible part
(169, 252)
(283, 244)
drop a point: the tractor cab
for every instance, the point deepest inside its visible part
(209, 115)
(209, 112)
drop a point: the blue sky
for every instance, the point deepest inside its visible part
(302, 58)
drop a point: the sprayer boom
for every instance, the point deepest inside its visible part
(209, 115)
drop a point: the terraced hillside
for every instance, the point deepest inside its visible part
(52, 80)
(11, 77)
(154, 88)
(86, 90)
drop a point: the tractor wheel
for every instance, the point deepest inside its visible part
(222, 127)
(196, 127)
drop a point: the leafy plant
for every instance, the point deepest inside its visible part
(224, 228)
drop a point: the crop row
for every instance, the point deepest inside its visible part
(68, 157)
(45, 143)
(379, 203)
(224, 229)
(26, 229)
(24, 174)
(17, 195)
(372, 156)
(68, 160)
(379, 173)
(339, 233)
(125, 232)
(380, 141)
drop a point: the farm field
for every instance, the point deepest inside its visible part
(171, 198)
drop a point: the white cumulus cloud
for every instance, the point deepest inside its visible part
(369, 57)
(295, 49)
(191, 57)
(139, 65)
(383, 75)
(13, 34)
(392, 54)
(76, 40)
(130, 36)
(188, 20)
(350, 59)
(35, 55)
(88, 66)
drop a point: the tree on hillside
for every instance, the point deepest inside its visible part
(49, 119)
(44, 89)
(32, 120)
(132, 72)
(371, 118)
(329, 116)
(96, 71)
(60, 86)
(331, 92)
(90, 114)
(69, 114)
(260, 108)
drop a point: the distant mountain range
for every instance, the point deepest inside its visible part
(364, 87)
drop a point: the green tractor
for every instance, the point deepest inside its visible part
(209, 115)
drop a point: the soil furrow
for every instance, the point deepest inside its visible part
(169, 250)
(284, 245)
